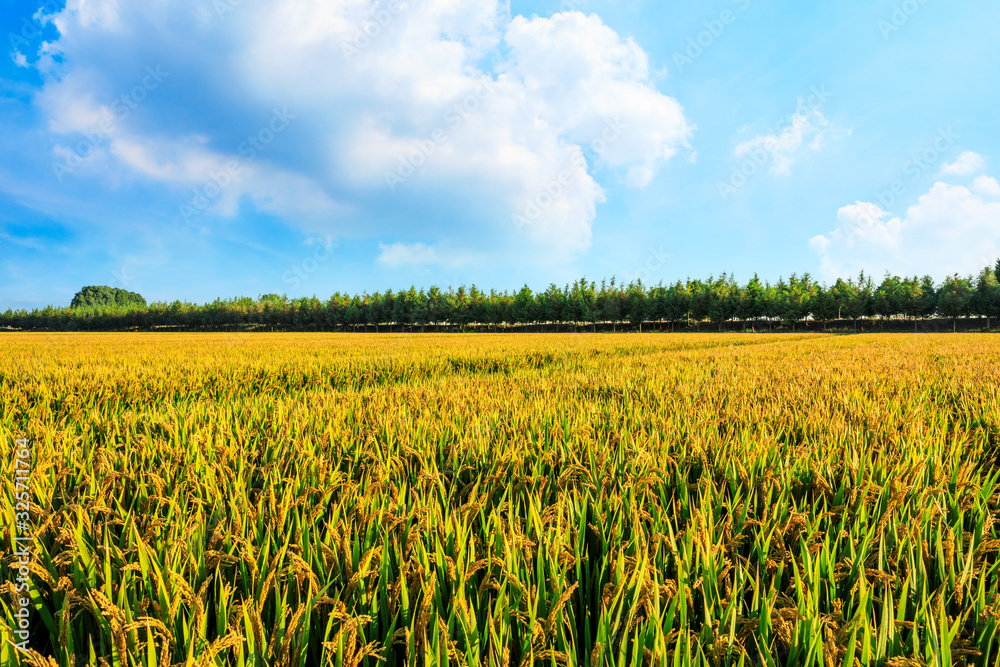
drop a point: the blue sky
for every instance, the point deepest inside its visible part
(220, 148)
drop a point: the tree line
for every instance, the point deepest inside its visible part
(699, 303)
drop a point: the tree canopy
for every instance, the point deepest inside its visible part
(94, 296)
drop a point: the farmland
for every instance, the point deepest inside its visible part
(245, 499)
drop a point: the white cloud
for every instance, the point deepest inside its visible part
(416, 255)
(402, 254)
(363, 103)
(986, 186)
(967, 164)
(805, 131)
(270, 187)
(580, 76)
(951, 229)
(862, 224)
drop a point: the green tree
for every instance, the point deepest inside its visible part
(374, 314)
(636, 306)
(272, 298)
(986, 300)
(551, 304)
(928, 297)
(701, 300)
(406, 307)
(723, 299)
(955, 299)
(437, 310)
(825, 306)
(795, 298)
(461, 307)
(477, 306)
(677, 304)
(771, 301)
(751, 300)
(524, 310)
(888, 298)
(101, 296)
(422, 309)
(859, 303)
(610, 302)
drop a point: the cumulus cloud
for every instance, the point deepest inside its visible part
(986, 186)
(804, 131)
(582, 77)
(951, 229)
(967, 164)
(395, 110)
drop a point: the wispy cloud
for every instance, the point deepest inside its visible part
(403, 254)
(805, 131)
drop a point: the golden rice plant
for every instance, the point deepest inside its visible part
(505, 500)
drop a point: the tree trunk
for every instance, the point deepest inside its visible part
(954, 325)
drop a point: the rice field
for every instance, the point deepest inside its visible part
(243, 499)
